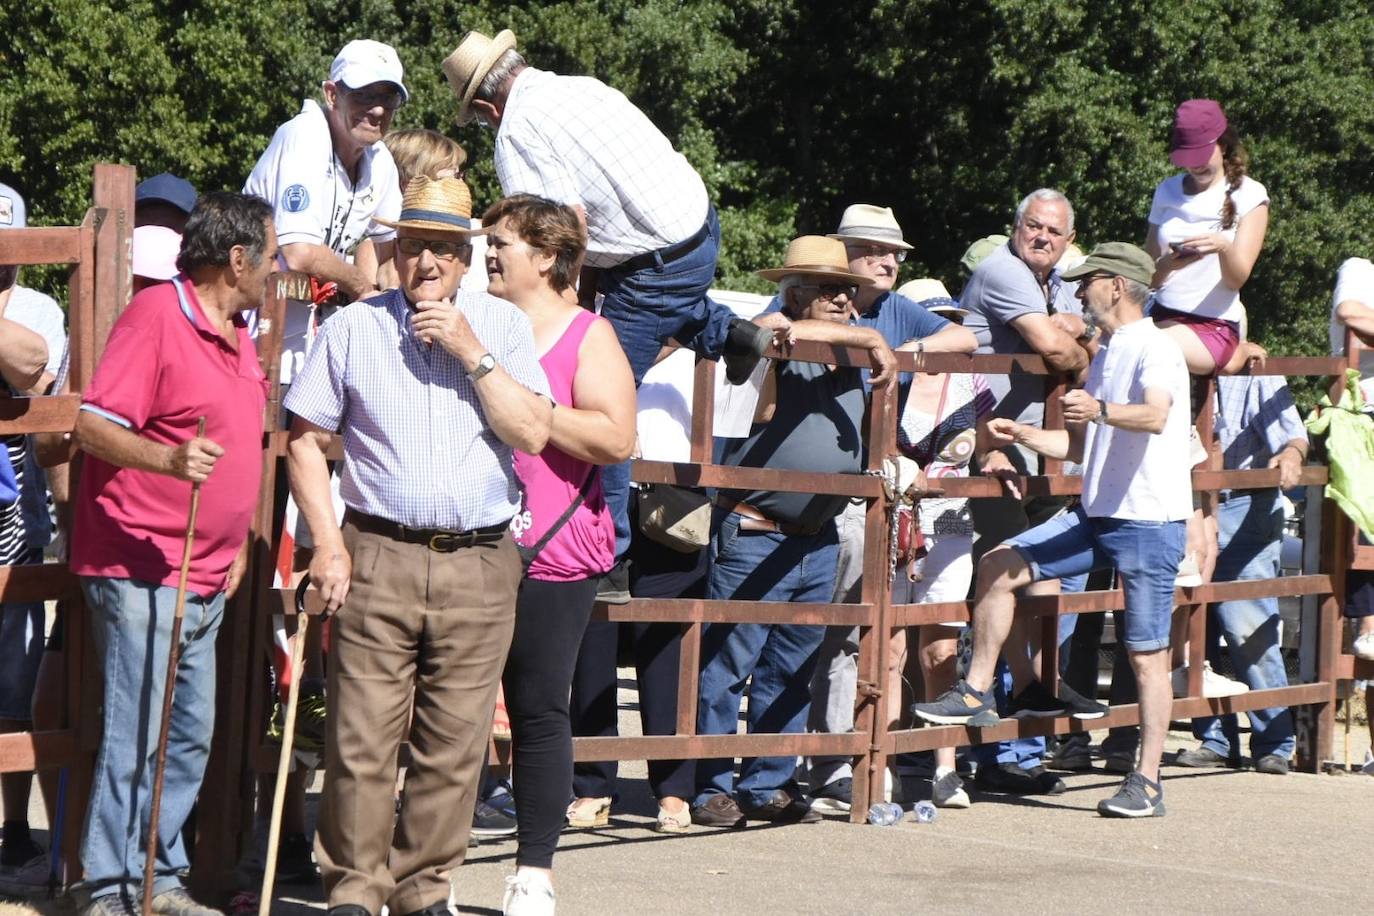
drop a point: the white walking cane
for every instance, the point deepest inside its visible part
(269, 872)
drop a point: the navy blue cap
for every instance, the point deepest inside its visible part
(167, 187)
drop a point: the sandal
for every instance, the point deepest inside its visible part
(589, 812)
(674, 821)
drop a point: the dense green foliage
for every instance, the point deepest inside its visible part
(947, 111)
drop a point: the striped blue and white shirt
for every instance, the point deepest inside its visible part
(417, 448)
(1256, 418)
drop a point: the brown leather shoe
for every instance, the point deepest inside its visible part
(783, 808)
(719, 811)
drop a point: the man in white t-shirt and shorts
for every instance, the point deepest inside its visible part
(1128, 425)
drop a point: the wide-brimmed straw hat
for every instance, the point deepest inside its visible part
(867, 223)
(816, 255)
(469, 64)
(442, 204)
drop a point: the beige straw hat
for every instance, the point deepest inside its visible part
(469, 64)
(816, 255)
(442, 204)
(868, 223)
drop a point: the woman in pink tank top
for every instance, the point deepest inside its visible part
(534, 248)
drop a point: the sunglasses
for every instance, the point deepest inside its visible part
(444, 251)
(832, 291)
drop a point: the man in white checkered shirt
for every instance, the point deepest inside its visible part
(652, 233)
(431, 390)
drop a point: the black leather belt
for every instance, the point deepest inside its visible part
(665, 254)
(436, 539)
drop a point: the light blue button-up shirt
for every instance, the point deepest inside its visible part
(417, 448)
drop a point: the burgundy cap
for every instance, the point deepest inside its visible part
(1198, 125)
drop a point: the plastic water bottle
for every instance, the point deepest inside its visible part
(885, 814)
(923, 812)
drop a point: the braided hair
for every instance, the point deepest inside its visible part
(1233, 165)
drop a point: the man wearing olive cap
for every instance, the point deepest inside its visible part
(1129, 426)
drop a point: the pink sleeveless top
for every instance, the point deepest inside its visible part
(585, 545)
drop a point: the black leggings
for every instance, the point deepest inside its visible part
(655, 572)
(550, 618)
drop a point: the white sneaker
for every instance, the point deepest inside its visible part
(1363, 647)
(27, 880)
(1368, 768)
(527, 896)
(1189, 572)
(1213, 684)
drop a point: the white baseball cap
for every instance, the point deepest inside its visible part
(363, 62)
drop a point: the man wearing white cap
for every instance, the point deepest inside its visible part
(874, 246)
(652, 233)
(327, 173)
(32, 343)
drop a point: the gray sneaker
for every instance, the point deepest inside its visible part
(1136, 797)
(176, 902)
(1202, 758)
(960, 705)
(1273, 764)
(948, 792)
(109, 905)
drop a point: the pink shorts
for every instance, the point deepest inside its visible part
(1221, 338)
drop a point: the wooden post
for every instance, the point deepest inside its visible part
(114, 194)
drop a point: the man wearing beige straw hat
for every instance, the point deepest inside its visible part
(431, 390)
(772, 546)
(652, 232)
(875, 248)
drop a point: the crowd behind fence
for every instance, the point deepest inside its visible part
(98, 254)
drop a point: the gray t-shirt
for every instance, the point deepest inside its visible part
(1002, 289)
(815, 427)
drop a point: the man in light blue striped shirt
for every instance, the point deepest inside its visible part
(1257, 427)
(431, 390)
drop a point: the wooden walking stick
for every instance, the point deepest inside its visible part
(173, 657)
(269, 869)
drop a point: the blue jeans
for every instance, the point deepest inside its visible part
(1145, 554)
(132, 627)
(1250, 535)
(21, 650)
(648, 307)
(775, 660)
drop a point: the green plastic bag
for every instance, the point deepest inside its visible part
(1349, 433)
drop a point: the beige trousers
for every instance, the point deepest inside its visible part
(435, 626)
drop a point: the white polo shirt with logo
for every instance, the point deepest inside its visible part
(315, 201)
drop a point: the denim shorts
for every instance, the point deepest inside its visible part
(1145, 554)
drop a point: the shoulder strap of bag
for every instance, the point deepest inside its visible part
(939, 421)
(527, 554)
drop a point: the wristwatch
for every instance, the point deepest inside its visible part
(484, 365)
(1089, 332)
(1101, 418)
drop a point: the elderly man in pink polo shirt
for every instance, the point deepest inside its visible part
(179, 352)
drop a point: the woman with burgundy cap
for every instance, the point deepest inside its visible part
(1207, 226)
